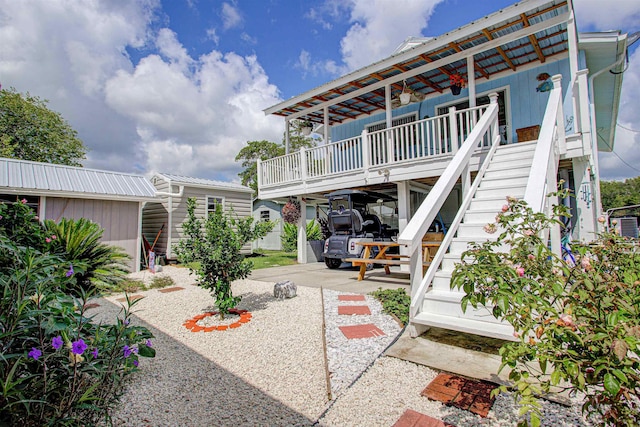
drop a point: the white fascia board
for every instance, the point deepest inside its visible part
(72, 195)
(433, 44)
(527, 31)
(212, 187)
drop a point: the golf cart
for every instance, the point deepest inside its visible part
(350, 220)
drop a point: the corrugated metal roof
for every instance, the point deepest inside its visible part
(496, 31)
(188, 180)
(21, 175)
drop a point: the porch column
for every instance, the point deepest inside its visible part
(585, 224)
(404, 214)
(389, 122)
(302, 232)
(471, 81)
(326, 125)
(286, 136)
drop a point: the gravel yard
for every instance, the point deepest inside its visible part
(272, 370)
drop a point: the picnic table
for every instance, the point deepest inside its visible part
(386, 259)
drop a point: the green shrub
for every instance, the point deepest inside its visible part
(56, 366)
(577, 324)
(216, 244)
(130, 286)
(289, 236)
(95, 264)
(394, 301)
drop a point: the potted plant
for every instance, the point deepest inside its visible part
(457, 82)
(306, 127)
(291, 212)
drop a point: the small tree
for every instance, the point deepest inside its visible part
(577, 321)
(214, 247)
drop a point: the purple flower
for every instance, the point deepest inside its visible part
(35, 353)
(126, 322)
(95, 353)
(126, 351)
(78, 347)
(70, 272)
(148, 343)
(135, 363)
(56, 342)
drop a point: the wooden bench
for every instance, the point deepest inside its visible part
(386, 262)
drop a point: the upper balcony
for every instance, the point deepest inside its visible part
(415, 150)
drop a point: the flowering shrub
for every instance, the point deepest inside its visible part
(56, 366)
(457, 80)
(215, 246)
(577, 324)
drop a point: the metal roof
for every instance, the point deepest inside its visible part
(201, 182)
(531, 31)
(25, 177)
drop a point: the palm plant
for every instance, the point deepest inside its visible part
(94, 265)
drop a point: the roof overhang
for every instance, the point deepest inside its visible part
(213, 186)
(605, 55)
(76, 195)
(520, 35)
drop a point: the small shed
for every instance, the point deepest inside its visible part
(170, 211)
(112, 199)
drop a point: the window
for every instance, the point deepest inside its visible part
(212, 201)
(396, 121)
(264, 215)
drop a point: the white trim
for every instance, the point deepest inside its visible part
(138, 255)
(507, 106)
(73, 195)
(42, 208)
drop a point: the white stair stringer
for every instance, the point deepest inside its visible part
(506, 175)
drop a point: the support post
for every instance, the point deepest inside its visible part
(404, 212)
(302, 232)
(471, 81)
(585, 206)
(453, 130)
(287, 143)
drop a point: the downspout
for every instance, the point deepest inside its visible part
(170, 214)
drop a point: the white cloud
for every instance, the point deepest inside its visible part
(169, 112)
(231, 16)
(212, 35)
(594, 14)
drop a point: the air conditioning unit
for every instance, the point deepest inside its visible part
(628, 226)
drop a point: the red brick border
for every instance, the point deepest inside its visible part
(192, 324)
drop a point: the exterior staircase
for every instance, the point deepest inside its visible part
(506, 175)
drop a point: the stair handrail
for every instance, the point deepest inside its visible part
(543, 176)
(547, 150)
(426, 213)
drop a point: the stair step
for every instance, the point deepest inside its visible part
(499, 181)
(482, 216)
(516, 148)
(491, 202)
(506, 171)
(476, 231)
(499, 191)
(472, 326)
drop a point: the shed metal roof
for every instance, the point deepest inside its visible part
(201, 182)
(26, 177)
(527, 32)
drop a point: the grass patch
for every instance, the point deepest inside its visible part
(267, 259)
(394, 301)
(161, 282)
(130, 286)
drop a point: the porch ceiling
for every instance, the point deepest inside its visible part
(507, 25)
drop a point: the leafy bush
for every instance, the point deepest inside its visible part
(56, 366)
(96, 265)
(577, 323)
(289, 236)
(394, 301)
(216, 244)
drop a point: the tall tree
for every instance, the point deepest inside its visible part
(31, 131)
(264, 150)
(616, 194)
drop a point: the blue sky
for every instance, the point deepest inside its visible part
(179, 86)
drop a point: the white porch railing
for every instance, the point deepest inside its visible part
(427, 138)
(544, 169)
(485, 131)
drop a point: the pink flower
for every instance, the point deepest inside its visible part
(567, 319)
(505, 208)
(531, 257)
(53, 237)
(528, 232)
(489, 228)
(24, 200)
(601, 220)
(585, 262)
(520, 271)
(48, 240)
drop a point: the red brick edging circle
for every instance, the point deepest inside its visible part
(192, 324)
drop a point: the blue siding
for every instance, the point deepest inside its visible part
(527, 105)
